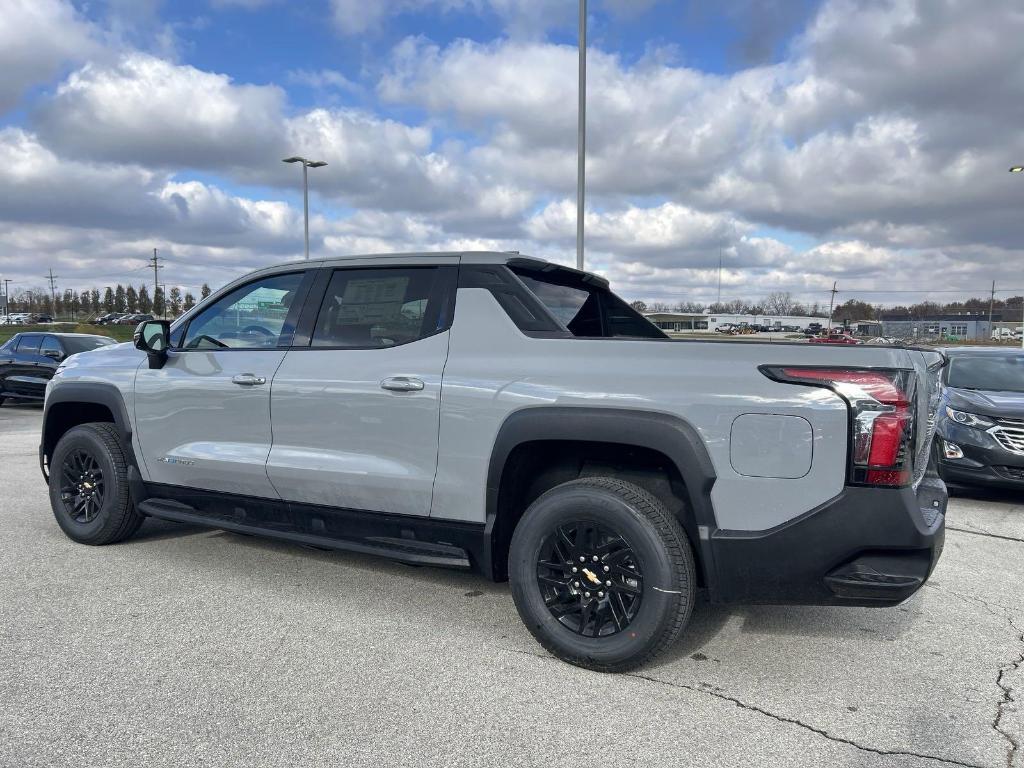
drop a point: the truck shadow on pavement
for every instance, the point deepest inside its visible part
(459, 592)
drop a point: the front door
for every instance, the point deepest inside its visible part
(24, 375)
(203, 420)
(356, 409)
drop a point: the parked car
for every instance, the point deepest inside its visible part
(981, 417)
(725, 328)
(28, 361)
(105, 319)
(133, 319)
(836, 336)
(41, 318)
(1005, 334)
(607, 471)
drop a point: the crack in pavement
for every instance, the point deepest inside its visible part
(778, 718)
(997, 610)
(985, 533)
(1008, 699)
(1013, 745)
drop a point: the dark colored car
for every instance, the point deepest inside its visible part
(28, 360)
(981, 417)
(106, 319)
(133, 319)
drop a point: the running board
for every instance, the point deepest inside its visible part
(405, 550)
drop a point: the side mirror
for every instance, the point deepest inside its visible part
(54, 354)
(153, 338)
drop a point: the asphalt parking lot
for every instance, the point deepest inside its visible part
(186, 646)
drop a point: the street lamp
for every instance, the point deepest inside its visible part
(305, 188)
(1020, 169)
(581, 132)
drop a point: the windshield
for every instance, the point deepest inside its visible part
(997, 373)
(74, 345)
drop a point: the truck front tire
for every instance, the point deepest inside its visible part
(602, 574)
(89, 486)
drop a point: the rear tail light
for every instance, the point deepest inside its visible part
(881, 404)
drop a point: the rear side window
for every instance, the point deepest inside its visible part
(51, 347)
(29, 344)
(586, 310)
(377, 308)
(578, 309)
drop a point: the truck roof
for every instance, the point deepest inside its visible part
(417, 258)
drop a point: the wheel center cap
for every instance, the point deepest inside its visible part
(590, 576)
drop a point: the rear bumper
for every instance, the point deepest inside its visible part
(868, 546)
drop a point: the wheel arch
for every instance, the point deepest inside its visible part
(645, 442)
(74, 403)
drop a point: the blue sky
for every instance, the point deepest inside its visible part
(807, 142)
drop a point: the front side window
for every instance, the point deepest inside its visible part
(29, 344)
(251, 317)
(376, 308)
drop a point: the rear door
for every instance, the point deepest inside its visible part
(203, 420)
(356, 405)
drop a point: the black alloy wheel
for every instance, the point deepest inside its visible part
(89, 485)
(602, 573)
(81, 486)
(590, 578)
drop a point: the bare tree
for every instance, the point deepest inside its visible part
(638, 305)
(694, 307)
(779, 303)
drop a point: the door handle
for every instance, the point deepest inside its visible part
(248, 380)
(402, 384)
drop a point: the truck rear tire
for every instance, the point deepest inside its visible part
(89, 486)
(602, 574)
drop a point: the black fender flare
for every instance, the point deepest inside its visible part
(666, 433)
(95, 393)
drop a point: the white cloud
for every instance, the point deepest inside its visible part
(37, 38)
(882, 139)
(146, 109)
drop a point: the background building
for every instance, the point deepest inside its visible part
(974, 327)
(682, 322)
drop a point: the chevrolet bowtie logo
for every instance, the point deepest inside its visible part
(591, 575)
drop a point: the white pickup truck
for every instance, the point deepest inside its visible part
(505, 414)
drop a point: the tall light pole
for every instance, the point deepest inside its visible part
(581, 133)
(306, 164)
(1020, 169)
